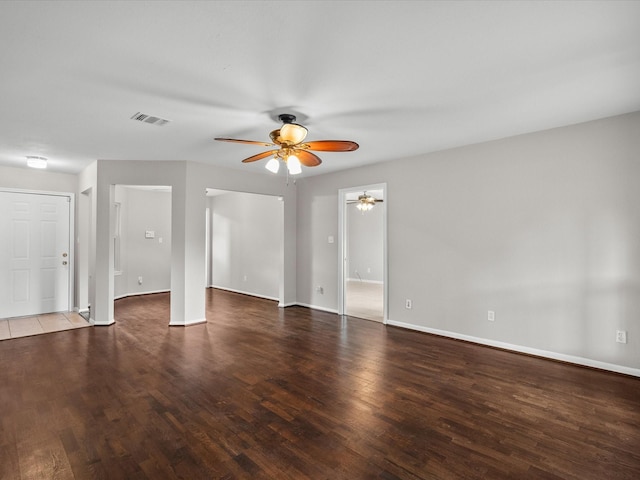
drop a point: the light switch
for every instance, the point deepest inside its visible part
(330, 239)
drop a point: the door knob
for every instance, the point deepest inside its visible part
(64, 255)
(64, 263)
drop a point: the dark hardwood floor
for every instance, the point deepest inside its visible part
(261, 392)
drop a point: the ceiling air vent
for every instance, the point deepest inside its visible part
(143, 117)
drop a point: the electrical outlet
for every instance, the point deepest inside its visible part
(621, 336)
(139, 280)
(320, 290)
(408, 304)
(491, 316)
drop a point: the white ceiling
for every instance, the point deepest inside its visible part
(400, 78)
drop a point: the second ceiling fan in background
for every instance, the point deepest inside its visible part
(365, 202)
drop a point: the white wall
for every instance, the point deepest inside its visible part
(365, 247)
(541, 228)
(149, 258)
(246, 238)
(34, 179)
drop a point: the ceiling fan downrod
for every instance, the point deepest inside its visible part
(287, 118)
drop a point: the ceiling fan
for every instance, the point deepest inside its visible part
(290, 147)
(365, 202)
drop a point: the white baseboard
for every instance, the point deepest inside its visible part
(188, 324)
(586, 362)
(285, 305)
(93, 322)
(377, 282)
(315, 307)
(251, 294)
(140, 293)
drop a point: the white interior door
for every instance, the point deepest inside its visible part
(34, 254)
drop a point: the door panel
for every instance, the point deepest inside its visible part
(34, 248)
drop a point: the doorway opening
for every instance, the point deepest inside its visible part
(244, 243)
(141, 237)
(363, 252)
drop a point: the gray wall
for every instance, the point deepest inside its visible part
(188, 182)
(246, 238)
(365, 250)
(143, 210)
(541, 228)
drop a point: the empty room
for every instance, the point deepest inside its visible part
(319, 240)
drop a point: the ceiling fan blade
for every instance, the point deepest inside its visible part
(252, 142)
(332, 146)
(308, 159)
(259, 156)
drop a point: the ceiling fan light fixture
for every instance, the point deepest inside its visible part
(292, 133)
(364, 207)
(365, 202)
(293, 165)
(273, 165)
(36, 162)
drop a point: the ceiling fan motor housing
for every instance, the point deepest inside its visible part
(287, 118)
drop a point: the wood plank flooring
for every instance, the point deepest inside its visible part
(265, 393)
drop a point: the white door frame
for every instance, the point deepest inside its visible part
(72, 226)
(342, 247)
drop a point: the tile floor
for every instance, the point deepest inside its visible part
(39, 324)
(365, 300)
